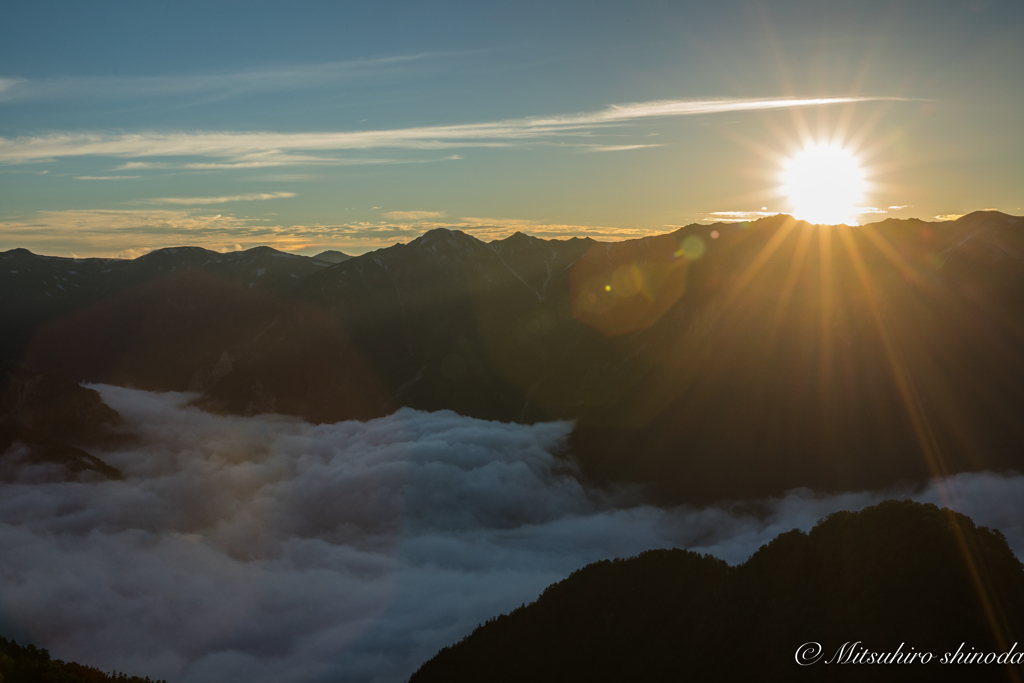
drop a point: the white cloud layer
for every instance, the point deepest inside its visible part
(269, 148)
(268, 549)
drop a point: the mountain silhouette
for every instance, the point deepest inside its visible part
(29, 664)
(332, 256)
(46, 419)
(715, 362)
(899, 577)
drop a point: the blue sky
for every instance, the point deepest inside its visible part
(131, 126)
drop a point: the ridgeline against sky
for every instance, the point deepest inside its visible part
(126, 127)
(736, 360)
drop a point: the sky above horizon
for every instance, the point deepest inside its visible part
(126, 127)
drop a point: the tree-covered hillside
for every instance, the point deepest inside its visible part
(897, 573)
(29, 664)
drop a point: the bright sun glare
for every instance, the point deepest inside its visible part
(825, 184)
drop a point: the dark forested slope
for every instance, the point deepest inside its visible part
(46, 420)
(29, 664)
(897, 573)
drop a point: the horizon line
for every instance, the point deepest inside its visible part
(453, 228)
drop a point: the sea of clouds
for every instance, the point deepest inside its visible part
(268, 549)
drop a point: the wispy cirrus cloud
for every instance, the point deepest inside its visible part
(198, 201)
(738, 215)
(267, 160)
(144, 165)
(268, 147)
(107, 177)
(8, 83)
(218, 85)
(413, 215)
(616, 148)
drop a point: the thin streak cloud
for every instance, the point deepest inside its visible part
(267, 160)
(264, 146)
(413, 215)
(218, 85)
(617, 148)
(192, 201)
(738, 215)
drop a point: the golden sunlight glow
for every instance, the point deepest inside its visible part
(825, 184)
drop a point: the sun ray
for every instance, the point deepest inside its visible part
(762, 257)
(883, 245)
(825, 315)
(845, 119)
(922, 430)
(795, 267)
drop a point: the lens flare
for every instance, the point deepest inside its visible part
(825, 184)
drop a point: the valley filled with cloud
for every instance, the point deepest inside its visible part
(269, 549)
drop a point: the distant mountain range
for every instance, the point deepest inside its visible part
(331, 256)
(889, 583)
(715, 362)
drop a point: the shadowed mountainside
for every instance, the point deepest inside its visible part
(898, 572)
(722, 361)
(45, 420)
(29, 664)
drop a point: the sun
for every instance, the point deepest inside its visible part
(825, 184)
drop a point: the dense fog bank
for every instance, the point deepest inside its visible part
(268, 549)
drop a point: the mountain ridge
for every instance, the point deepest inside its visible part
(869, 579)
(713, 362)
